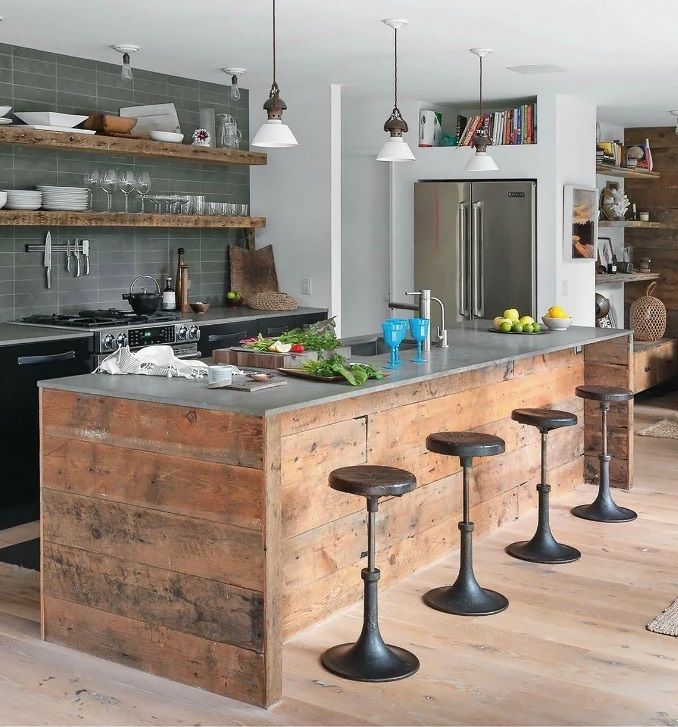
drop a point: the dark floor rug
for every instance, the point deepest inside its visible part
(25, 555)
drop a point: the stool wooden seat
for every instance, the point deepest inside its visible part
(464, 444)
(543, 547)
(372, 481)
(604, 393)
(604, 509)
(545, 420)
(370, 659)
(465, 597)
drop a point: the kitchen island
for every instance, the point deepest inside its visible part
(188, 532)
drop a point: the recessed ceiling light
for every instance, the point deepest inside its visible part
(532, 70)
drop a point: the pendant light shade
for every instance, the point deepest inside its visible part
(481, 161)
(273, 133)
(395, 149)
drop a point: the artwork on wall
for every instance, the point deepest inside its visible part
(605, 252)
(580, 223)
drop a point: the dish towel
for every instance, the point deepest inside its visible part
(151, 361)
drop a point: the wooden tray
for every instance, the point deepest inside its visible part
(301, 374)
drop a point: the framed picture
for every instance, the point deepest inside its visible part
(580, 222)
(605, 251)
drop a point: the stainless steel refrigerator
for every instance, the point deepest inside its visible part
(475, 246)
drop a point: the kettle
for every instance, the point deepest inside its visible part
(144, 303)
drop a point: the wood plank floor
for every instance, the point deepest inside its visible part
(571, 649)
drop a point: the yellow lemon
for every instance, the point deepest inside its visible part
(555, 311)
(527, 320)
(497, 322)
(511, 314)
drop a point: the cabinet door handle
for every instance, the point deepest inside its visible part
(47, 358)
(239, 335)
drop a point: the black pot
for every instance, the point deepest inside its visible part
(144, 303)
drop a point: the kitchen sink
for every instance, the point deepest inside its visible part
(377, 346)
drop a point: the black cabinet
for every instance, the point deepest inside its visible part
(22, 366)
(224, 335)
(280, 324)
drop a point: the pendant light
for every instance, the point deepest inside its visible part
(481, 161)
(126, 49)
(395, 149)
(273, 133)
(234, 73)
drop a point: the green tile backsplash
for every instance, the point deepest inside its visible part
(33, 80)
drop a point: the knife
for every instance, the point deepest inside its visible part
(48, 259)
(76, 254)
(85, 252)
(68, 256)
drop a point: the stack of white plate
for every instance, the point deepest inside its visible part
(75, 199)
(23, 199)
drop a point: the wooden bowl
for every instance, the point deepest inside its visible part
(110, 125)
(234, 302)
(200, 307)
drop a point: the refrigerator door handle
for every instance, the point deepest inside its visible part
(463, 300)
(478, 282)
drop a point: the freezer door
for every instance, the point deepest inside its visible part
(503, 248)
(441, 212)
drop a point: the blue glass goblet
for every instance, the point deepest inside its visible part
(391, 331)
(402, 332)
(419, 329)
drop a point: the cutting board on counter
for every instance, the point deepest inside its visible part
(246, 358)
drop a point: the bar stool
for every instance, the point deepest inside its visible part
(543, 547)
(465, 597)
(604, 509)
(369, 659)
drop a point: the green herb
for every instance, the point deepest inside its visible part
(355, 373)
(318, 337)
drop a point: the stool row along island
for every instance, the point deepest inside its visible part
(190, 531)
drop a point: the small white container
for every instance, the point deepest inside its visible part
(219, 375)
(557, 324)
(168, 136)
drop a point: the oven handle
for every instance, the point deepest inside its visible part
(46, 359)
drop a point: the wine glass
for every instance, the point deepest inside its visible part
(142, 186)
(391, 329)
(402, 332)
(126, 182)
(109, 183)
(91, 182)
(419, 329)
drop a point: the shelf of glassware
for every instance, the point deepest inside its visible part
(73, 141)
(124, 219)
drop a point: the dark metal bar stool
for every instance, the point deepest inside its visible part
(604, 509)
(369, 659)
(543, 547)
(465, 597)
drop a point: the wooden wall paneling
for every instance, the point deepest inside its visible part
(610, 363)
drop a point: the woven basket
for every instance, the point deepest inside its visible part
(648, 316)
(272, 301)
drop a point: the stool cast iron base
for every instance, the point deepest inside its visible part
(604, 512)
(463, 601)
(540, 551)
(370, 660)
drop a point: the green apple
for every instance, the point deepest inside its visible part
(231, 295)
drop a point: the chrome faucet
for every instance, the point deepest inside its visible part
(424, 310)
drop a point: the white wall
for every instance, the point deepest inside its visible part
(299, 193)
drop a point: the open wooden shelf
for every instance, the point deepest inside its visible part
(123, 219)
(127, 145)
(611, 171)
(629, 223)
(625, 277)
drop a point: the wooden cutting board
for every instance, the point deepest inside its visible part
(243, 358)
(252, 271)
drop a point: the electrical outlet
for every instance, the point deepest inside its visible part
(306, 286)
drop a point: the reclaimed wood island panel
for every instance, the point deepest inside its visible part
(189, 537)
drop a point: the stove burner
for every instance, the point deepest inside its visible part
(100, 318)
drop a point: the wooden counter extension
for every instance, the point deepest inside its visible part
(190, 542)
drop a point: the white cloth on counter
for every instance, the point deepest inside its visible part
(151, 361)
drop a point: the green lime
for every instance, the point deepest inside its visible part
(517, 328)
(505, 327)
(527, 328)
(536, 327)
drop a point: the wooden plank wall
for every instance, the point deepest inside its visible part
(610, 363)
(324, 532)
(659, 198)
(153, 551)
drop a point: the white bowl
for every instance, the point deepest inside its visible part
(169, 136)
(4, 110)
(3, 199)
(557, 324)
(50, 118)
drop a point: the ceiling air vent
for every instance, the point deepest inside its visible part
(536, 69)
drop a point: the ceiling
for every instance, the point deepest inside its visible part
(619, 54)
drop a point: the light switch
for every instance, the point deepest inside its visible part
(306, 286)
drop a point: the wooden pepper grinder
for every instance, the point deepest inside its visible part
(177, 280)
(184, 307)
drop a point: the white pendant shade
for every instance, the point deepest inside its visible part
(481, 161)
(395, 149)
(274, 134)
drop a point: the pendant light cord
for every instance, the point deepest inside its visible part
(395, 68)
(274, 68)
(480, 102)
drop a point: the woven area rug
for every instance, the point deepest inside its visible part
(667, 621)
(666, 429)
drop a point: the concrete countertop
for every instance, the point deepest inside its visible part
(12, 334)
(223, 314)
(472, 346)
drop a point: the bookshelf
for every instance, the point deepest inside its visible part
(611, 171)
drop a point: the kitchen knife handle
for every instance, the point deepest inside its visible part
(48, 277)
(462, 273)
(68, 256)
(86, 253)
(77, 258)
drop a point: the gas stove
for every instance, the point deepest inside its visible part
(112, 329)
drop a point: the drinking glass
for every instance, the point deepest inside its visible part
(242, 209)
(402, 324)
(126, 182)
(419, 330)
(142, 186)
(109, 183)
(391, 329)
(91, 182)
